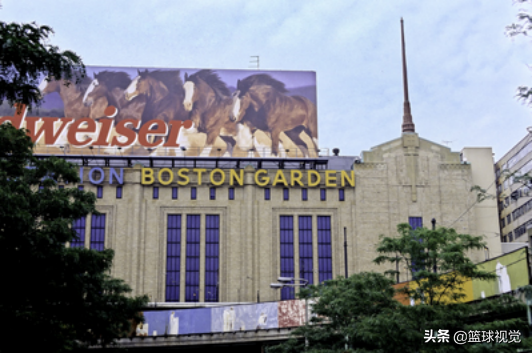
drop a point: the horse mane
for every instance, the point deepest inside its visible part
(170, 78)
(83, 85)
(213, 80)
(113, 79)
(260, 79)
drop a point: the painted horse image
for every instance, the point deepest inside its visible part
(262, 101)
(209, 102)
(71, 95)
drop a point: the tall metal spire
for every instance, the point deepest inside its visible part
(408, 124)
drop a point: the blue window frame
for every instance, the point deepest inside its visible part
(231, 193)
(341, 194)
(305, 249)
(173, 258)
(287, 253)
(266, 193)
(286, 194)
(212, 246)
(324, 248)
(118, 192)
(155, 192)
(193, 259)
(79, 227)
(98, 232)
(99, 192)
(212, 193)
(174, 193)
(304, 194)
(323, 194)
(193, 193)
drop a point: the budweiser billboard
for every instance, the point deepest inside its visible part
(176, 112)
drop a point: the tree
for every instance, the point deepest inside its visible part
(361, 312)
(26, 57)
(54, 298)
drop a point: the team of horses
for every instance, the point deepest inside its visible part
(259, 117)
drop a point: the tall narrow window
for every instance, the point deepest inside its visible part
(323, 194)
(287, 254)
(99, 192)
(193, 259)
(173, 258)
(304, 194)
(98, 232)
(324, 248)
(305, 249)
(286, 194)
(212, 242)
(415, 222)
(79, 226)
(266, 193)
(231, 193)
(118, 192)
(155, 192)
(212, 193)
(193, 193)
(341, 194)
(174, 192)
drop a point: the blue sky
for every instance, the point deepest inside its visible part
(463, 71)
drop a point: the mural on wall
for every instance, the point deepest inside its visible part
(244, 317)
(176, 112)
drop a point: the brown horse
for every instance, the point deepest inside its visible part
(161, 90)
(209, 102)
(107, 89)
(264, 99)
(71, 95)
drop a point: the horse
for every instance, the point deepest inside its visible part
(71, 95)
(264, 99)
(209, 102)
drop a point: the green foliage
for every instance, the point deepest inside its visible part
(435, 259)
(55, 298)
(26, 56)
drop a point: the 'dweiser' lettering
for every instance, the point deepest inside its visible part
(218, 177)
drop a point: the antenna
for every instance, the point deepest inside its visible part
(254, 62)
(447, 142)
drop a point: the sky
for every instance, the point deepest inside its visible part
(463, 71)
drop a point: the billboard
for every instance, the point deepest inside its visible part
(176, 112)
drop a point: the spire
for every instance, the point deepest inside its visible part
(408, 124)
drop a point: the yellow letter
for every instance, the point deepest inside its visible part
(234, 176)
(199, 171)
(345, 177)
(222, 179)
(297, 179)
(264, 181)
(147, 176)
(330, 178)
(183, 174)
(279, 177)
(160, 176)
(309, 178)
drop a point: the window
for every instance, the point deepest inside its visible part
(324, 248)
(304, 194)
(415, 222)
(341, 194)
(173, 258)
(266, 193)
(508, 219)
(174, 192)
(61, 187)
(287, 253)
(155, 192)
(193, 259)
(79, 226)
(212, 241)
(231, 193)
(99, 192)
(98, 232)
(118, 192)
(80, 188)
(323, 194)
(212, 193)
(193, 193)
(305, 249)
(511, 236)
(286, 194)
